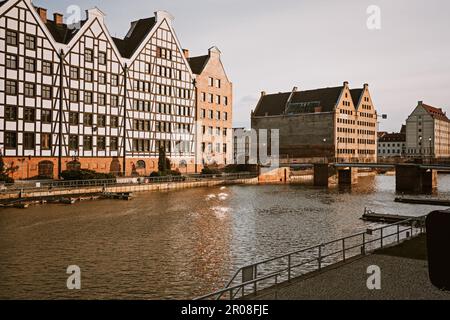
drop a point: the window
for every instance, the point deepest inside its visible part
(217, 115)
(12, 38)
(87, 143)
(224, 131)
(210, 98)
(203, 114)
(11, 87)
(89, 55)
(74, 73)
(114, 122)
(114, 101)
(101, 143)
(211, 114)
(46, 141)
(28, 140)
(204, 96)
(102, 78)
(218, 83)
(102, 57)
(224, 148)
(10, 140)
(46, 116)
(11, 61)
(225, 101)
(163, 53)
(74, 95)
(11, 113)
(88, 76)
(217, 99)
(88, 119)
(30, 42)
(73, 142)
(46, 92)
(30, 90)
(225, 116)
(114, 80)
(217, 131)
(101, 120)
(30, 65)
(211, 82)
(74, 118)
(47, 68)
(88, 97)
(113, 143)
(29, 114)
(101, 99)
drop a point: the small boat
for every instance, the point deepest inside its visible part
(372, 216)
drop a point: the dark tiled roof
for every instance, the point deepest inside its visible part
(301, 102)
(356, 96)
(390, 137)
(198, 63)
(137, 33)
(436, 113)
(61, 32)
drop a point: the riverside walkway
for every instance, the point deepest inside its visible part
(404, 275)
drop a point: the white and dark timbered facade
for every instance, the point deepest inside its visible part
(79, 96)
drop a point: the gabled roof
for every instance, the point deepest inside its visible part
(356, 95)
(436, 113)
(197, 64)
(300, 102)
(137, 33)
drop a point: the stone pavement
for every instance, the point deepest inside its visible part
(401, 278)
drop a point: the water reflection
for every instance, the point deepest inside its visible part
(178, 244)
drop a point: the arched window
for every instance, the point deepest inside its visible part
(45, 169)
(140, 164)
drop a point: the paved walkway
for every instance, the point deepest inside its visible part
(401, 278)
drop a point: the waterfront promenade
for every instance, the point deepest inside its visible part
(404, 275)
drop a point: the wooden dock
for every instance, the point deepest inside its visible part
(432, 202)
(388, 218)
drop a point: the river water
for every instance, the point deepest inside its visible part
(178, 244)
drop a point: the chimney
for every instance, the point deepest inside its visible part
(420, 103)
(263, 93)
(186, 53)
(58, 18)
(345, 83)
(42, 14)
(366, 85)
(294, 89)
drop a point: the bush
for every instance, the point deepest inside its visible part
(236, 168)
(85, 174)
(207, 170)
(165, 173)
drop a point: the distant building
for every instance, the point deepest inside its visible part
(392, 145)
(214, 108)
(427, 133)
(328, 124)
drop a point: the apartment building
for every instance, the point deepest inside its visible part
(214, 108)
(428, 133)
(327, 124)
(76, 96)
(392, 145)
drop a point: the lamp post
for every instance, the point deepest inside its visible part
(431, 153)
(420, 147)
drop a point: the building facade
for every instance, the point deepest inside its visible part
(392, 145)
(329, 124)
(215, 108)
(74, 95)
(428, 133)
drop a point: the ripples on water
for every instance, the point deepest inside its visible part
(178, 244)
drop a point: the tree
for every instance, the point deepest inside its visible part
(4, 172)
(164, 164)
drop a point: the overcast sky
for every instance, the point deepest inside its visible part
(275, 45)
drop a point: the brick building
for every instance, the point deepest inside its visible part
(77, 95)
(214, 93)
(328, 124)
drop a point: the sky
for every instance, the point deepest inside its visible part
(274, 46)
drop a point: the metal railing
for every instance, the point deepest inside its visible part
(46, 185)
(264, 274)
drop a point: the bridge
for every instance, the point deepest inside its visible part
(409, 177)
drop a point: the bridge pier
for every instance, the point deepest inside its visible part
(412, 178)
(322, 174)
(347, 176)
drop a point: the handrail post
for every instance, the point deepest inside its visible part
(363, 248)
(289, 267)
(319, 259)
(343, 248)
(381, 237)
(398, 233)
